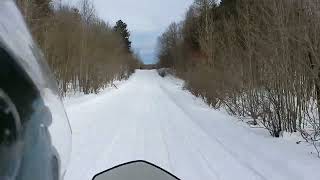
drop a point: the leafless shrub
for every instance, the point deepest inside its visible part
(82, 50)
(257, 59)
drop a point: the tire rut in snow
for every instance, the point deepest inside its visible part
(209, 139)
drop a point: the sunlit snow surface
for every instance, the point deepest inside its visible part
(153, 119)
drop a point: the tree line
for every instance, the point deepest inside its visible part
(84, 52)
(257, 59)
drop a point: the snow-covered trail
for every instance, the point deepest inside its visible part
(152, 118)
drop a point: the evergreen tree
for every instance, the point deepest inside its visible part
(121, 28)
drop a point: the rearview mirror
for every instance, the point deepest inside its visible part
(136, 170)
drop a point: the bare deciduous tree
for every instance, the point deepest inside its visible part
(257, 59)
(84, 52)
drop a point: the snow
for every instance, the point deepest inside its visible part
(151, 118)
(76, 97)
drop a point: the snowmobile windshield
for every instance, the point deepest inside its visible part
(35, 134)
(135, 170)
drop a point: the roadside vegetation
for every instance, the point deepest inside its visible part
(84, 52)
(257, 59)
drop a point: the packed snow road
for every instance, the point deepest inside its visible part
(152, 118)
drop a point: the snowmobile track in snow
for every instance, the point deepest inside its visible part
(151, 118)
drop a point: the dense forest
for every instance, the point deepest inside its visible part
(84, 52)
(257, 59)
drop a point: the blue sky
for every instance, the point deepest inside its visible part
(146, 20)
